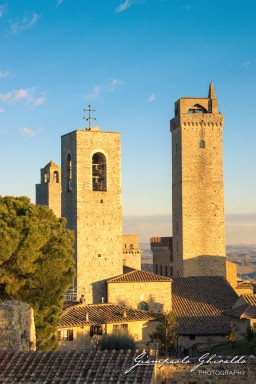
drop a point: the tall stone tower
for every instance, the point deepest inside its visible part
(91, 202)
(197, 187)
(48, 192)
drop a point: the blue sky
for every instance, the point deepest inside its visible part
(129, 59)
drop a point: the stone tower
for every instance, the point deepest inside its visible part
(48, 192)
(197, 187)
(91, 203)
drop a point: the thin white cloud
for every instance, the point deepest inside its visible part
(3, 9)
(98, 90)
(27, 95)
(1, 110)
(5, 74)
(247, 64)
(38, 101)
(28, 132)
(124, 6)
(25, 23)
(115, 83)
(94, 94)
(151, 98)
(59, 2)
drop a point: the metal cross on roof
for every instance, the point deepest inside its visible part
(89, 118)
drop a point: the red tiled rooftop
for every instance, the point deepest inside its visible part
(73, 367)
(249, 298)
(138, 276)
(245, 285)
(101, 314)
(199, 302)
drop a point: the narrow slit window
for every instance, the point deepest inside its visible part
(201, 144)
(69, 173)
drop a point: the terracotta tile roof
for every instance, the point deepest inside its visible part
(237, 311)
(243, 312)
(249, 298)
(246, 285)
(70, 303)
(101, 314)
(70, 367)
(199, 302)
(249, 313)
(51, 164)
(136, 276)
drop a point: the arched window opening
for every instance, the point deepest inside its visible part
(99, 172)
(45, 178)
(197, 108)
(156, 269)
(143, 306)
(171, 270)
(161, 270)
(69, 172)
(56, 177)
(166, 270)
(201, 144)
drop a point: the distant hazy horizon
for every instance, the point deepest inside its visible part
(240, 228)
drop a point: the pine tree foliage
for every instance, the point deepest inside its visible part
(36, 264)
(117, 340)
(165, 332)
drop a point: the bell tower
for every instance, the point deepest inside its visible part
(91, 203)
(48, 192)
(197, 187)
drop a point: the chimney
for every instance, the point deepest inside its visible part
(124, 313)
(87, 317)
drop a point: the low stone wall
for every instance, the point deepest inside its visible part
(207, 373)
(17, 327)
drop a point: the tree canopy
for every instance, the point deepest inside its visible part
(36, 263)
(165, 332)
(117, 340)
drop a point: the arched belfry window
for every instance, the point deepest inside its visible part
(201, 144)
(197, 108)
(143, 306)
(56, 177)
(45, 177)
(69, 172)
(99, 172)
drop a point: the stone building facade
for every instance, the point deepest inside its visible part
(81, 324)
(91, 203)
(131, 251)
(48, 192)
(141, 290)
(197, 187)
(162, 255)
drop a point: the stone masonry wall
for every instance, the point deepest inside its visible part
(207, 373)
(48, 192)
(17, 327)
(95, 216)
(156, 294)
(231, 269)
(198, 197)
(131, 251)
